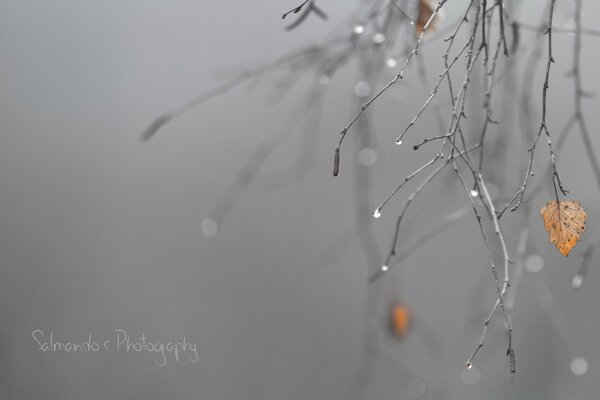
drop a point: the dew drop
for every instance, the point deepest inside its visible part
(471, 375)
(209, 227)
(412, 22)
(474, 193)
(398, 142)
(579, 366)
(367, 156)
(362, 89)
(384, 268)
(378, 38)
(534, 263)
(377, 213)
(324, 80)
(577, 282)
(391, 62)
(358, 29)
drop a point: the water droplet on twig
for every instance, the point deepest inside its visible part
(358, 29)
(471, 375)
(377, 213)
(577, 282)
(209, 227)
(324, 80)
(378, 38)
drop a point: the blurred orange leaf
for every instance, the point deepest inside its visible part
(565, 222)
(426, 10)
(400, 319)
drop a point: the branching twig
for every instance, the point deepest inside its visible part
(543, 126)
(295, 9)
(397, 77)
(392, 253)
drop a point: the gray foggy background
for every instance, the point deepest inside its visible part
(99, 232)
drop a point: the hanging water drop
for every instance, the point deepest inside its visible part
(391, 63)
(471, 375)
(324, 80)
(209, 227)
(384, 268)
(474, 193)
(378, 38)
(358, 29)
(377, 213)
(398, 141)
(577, 282)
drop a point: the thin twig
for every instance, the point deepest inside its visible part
(392, 252)
(543, 127)
(397, 77)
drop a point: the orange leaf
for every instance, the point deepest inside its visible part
(426, 10)
(565, 221)
(400, 318)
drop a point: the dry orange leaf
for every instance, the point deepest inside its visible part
(400, 318)
(426, 9)
(565, 221)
